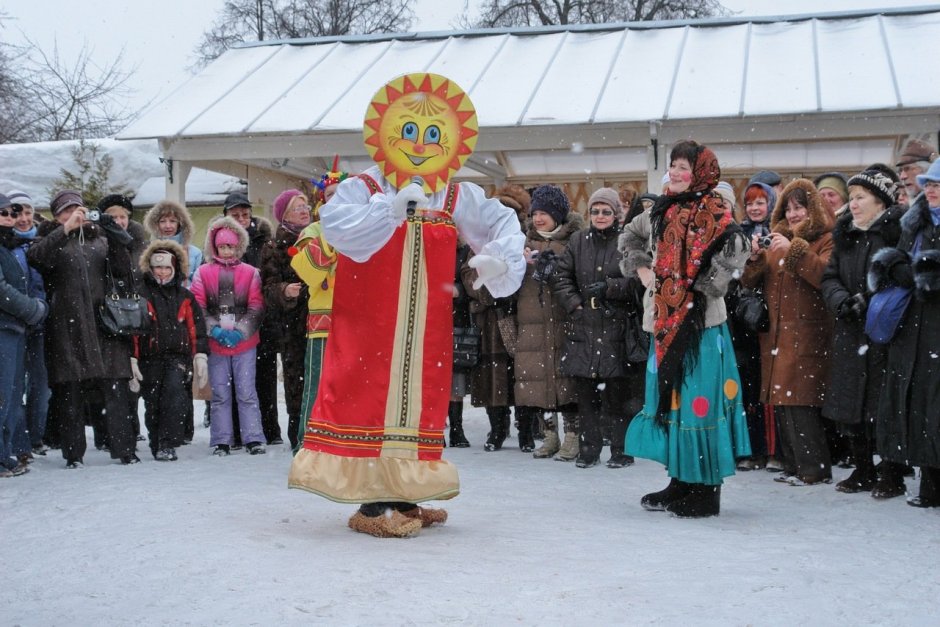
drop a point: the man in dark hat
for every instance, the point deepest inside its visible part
(914, 159)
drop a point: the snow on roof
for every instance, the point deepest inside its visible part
(572, 75)
(33, 167)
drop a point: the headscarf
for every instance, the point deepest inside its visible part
(688, 228)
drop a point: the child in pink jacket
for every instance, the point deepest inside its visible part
(229, 293)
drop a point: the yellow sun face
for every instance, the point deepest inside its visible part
(420, 125)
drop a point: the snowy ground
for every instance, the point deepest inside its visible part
(210, 541)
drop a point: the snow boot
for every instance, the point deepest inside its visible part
(701, 501)
(499, 428)
(929, 488)
(550, 444)
(455, 419)
(524, 424)
(569, 448)
(255, 448)
(890, 481)
(393, 524)
(657, 501)
(427, 515)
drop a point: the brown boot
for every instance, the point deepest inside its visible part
(550, 445)
(393, 525)
(427, 515)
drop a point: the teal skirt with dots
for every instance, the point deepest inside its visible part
(707, 429)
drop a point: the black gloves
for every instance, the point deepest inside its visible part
(853, 307)
(595, 290)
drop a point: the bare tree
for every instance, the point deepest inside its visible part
(74, 98)
(256, 20)
(509, 13)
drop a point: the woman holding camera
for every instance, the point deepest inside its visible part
(795, 349)
(538, 385)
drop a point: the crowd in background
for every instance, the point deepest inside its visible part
(566, 357)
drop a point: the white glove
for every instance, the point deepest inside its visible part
(487, 268)
(200, 370)
(136, 377)
(412, 193)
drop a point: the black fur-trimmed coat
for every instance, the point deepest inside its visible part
(857, 365)
(908, 425)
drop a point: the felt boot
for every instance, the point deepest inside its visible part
(701, 501)
(657, 501)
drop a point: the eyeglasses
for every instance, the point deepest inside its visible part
(6, 213)
(602, 212)
(300, 208)
(932, 185)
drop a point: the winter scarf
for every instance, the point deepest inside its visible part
(688, 229)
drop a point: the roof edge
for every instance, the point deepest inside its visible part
(606, 27)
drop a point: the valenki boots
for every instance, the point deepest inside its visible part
(701, 501)
(551, 443)
(455, 419)
(499, 428)
(657, 501)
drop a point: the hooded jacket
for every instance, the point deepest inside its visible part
(184, 235)
(233, 288)
(177, 326)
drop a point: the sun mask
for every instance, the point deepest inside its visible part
(420, 125)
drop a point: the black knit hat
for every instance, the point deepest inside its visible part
(551, 200)
(879, 184)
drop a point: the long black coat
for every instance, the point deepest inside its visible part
(74, 275)
(908, 425)
(856, 370)
(595, 333)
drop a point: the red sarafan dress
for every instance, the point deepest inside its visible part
(376, 431)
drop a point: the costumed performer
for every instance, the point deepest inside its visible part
(314, 261)
(375, 435)
(693, 420)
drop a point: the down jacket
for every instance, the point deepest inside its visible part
(236, 286)
(596, 328)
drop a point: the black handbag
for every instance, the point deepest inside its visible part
(467, 342)
(123, 314)
(751, 310)
(636, 340)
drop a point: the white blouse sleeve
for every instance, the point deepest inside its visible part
(491, 228)
(356, 223)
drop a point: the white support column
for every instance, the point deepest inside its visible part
(177, 172)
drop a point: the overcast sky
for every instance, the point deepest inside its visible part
(158, 38)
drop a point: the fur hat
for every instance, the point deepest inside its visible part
(607, 196)
(926, 269)
(169, 208)
(282, 201)
(551, 200)
(834, 181)
(65, 199)
(19, 197)
(914, 151)
(931, 175)
(119, 200)
(879, 184)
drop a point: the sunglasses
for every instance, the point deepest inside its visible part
(602, 212)
(6, 213)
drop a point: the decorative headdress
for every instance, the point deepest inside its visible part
(334, 176)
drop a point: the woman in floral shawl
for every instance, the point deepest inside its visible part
(693, 420)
